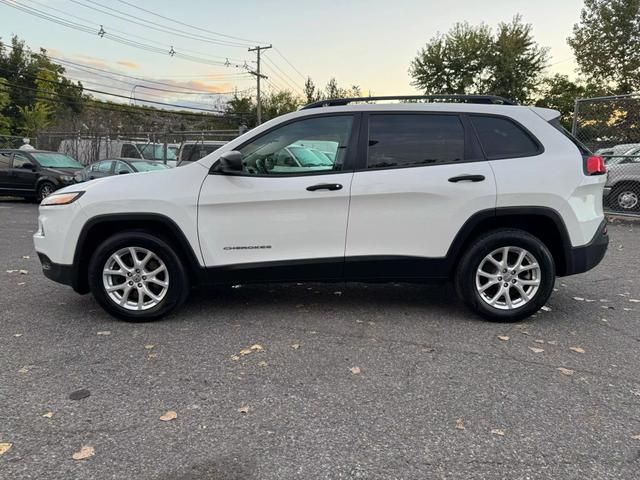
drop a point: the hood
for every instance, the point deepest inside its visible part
(62, 171)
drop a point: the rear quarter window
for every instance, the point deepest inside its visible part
(503, 138)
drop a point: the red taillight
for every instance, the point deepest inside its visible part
(595, 165)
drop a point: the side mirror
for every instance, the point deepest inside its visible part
(230, 162)
(28, 166)
(122, 172)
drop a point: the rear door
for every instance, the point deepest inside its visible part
(421, 176)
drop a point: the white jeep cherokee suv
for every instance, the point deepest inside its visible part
(494, 196)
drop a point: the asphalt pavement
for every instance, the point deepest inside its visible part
(343, 382)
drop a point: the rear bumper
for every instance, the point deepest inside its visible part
(584, 258)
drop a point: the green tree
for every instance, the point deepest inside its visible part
(5, 122)
(606, 43)
(473, 60)
(311, 93)
(278, 103)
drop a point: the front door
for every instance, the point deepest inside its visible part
(421, 176)
(285, 215)
(24, 172)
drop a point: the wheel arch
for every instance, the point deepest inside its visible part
(98, 228)
(542, 222)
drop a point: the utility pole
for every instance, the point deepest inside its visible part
(258, 77)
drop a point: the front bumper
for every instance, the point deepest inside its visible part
(54, 271)
(584, 258)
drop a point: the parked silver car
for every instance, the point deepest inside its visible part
(622, 191)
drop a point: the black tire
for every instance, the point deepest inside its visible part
(44, 190)
(617, 192)
(178, 280)
(465, 276)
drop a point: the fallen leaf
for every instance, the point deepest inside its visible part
(244, 409)
(84, 453)
(497, 431)
(460, 424)
(26, 257)
(604, 300)
(17, 335)
(504, 338)
(79, 394)
(48, 415)
(538, 340)
(546, 309)
(152, 355)
(295, 346)
(12, 271)
(588, 300)
(577, 349)
(536, 350)
(104, 333)
(235, 358)
(635, 437)
(634, 300)
(262, 364)
(5, 447)
(355, 370)
(245, 351)
(25, 369)
(337, 293)
(566, 371)
(579, 299)
(552, 342)
(149, 346)
(257, 348)
(359, 321)
(24, 272)
(168, 416)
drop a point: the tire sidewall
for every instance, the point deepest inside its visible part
(178, 280)
(466, 274)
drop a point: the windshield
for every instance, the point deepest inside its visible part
(149, 166)
(309, 157)
(56, 160)
(155, 151)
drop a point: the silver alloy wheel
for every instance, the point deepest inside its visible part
(135, 278)
(627, 200)
(508, 278)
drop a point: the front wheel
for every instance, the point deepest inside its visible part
(44, 190)
(506, 275)
(137, 276)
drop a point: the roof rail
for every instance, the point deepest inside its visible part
(485, 99)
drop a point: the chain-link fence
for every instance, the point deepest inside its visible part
(158, 146)
(610, 127)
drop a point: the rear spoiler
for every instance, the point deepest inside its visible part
(547, 114)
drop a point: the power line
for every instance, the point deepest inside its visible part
(112, 75)
(173, 20)
(101, 92)
(157, 26)
(128, 34)
(293, 85)
(304, 77)
(83, 28)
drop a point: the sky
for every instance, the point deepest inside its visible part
(366, 43)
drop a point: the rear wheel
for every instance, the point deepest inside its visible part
(506, 275)
(137, 277)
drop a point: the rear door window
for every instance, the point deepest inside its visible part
(399, 140)
(503, 138)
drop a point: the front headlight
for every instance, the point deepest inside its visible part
(61, 198)
(66, 178)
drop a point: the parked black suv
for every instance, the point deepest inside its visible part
(35, 174)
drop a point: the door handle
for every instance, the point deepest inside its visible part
(325, 186)
(467, 178)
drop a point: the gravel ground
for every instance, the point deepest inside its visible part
(438, 395)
